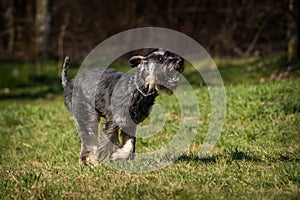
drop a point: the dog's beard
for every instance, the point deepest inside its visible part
(151, 84)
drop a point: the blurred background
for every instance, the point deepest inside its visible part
(225, 28)
(35, 35)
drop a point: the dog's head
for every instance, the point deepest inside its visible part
(158, 70)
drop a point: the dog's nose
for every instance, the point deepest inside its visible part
(179, 62)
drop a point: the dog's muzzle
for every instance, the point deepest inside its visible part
(165, 76)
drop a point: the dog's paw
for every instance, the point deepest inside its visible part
(123, 153)
(89, 157)
(90, 160)
(120, 154)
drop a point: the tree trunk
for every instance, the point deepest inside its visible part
(61, 37)
(132, 13)
(293, 31)
(42, 28)
(9, 26)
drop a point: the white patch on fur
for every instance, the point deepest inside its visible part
(124, 152)
(151, 79)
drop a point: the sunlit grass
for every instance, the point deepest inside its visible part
(257, 156)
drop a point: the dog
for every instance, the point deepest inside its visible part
(123, 99)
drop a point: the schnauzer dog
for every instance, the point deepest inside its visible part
(123, 99)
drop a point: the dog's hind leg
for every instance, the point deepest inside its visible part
(86, 120)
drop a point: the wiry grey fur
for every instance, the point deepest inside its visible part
(123, 99)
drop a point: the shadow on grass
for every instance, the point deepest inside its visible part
(32, 87)
(229, 156)
(19, 80)
(43, 91)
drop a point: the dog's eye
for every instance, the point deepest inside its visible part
(160, 58)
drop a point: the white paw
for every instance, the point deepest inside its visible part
(124, 152)
(120, 154)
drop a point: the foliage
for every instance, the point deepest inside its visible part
(225, 28)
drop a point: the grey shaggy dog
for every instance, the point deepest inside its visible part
(123, 99)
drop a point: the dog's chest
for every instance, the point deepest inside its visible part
(140, 107)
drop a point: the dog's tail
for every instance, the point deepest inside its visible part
(64, 77)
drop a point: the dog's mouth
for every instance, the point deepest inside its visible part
(174, 79)
(171, 79)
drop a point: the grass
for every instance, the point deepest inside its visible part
(257, 156)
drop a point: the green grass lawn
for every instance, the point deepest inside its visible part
(257, 156)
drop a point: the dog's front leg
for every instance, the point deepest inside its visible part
(109, 140)
(127, 150)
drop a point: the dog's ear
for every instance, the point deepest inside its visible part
(135, 61)
(156, 49)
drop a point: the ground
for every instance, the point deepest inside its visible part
(257, 155)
